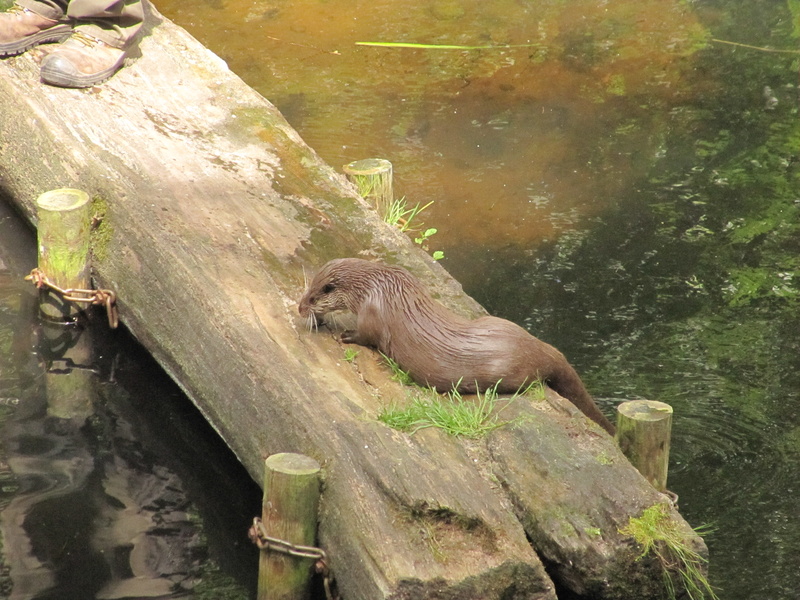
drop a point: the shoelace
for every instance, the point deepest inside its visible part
(16, 9)
(21, 11)
(86, 40)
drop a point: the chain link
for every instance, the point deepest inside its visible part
(106, 298)
(258, 535)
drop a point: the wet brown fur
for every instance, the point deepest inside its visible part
(435, 346)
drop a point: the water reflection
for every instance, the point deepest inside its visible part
(111, 485)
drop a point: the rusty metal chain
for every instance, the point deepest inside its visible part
(258, 535)
(106, 298)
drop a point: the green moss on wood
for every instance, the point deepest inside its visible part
(102, 229)
(63, 233)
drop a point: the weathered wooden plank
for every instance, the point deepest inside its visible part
(212, 207)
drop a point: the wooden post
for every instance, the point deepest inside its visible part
(64, 226)
(373, 179)
(643, 435)
(70, 379)
(289, 513)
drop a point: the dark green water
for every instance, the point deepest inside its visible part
(686, 290)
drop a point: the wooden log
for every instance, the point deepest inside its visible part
(289, 513)
(644, 429)
(63, 235)
(373, 180)
(212, 211)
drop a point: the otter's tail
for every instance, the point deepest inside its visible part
(568, 384)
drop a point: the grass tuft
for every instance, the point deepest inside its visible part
(451, 413)
(401, 215)
(656, 532)
(398, 374)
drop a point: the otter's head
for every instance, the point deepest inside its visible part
(340, 285)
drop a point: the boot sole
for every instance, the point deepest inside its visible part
(57, 33)
(59, 78)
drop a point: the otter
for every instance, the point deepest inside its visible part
(437, 347)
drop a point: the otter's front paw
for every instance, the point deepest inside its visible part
(349, 337)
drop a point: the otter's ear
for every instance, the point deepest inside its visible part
(328, 288)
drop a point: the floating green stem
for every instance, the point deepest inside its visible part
(443, 46)
(759, 48)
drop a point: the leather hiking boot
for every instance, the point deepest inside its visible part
(81, 61)
(22, 29)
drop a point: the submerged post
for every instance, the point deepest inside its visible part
(289, 513)
(643, 434)
(64, 229)
(70, 379)
(373, 179)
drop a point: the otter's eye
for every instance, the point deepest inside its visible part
(328, 288)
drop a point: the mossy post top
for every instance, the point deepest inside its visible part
(62, 199)
(645, 410)
(292, 464)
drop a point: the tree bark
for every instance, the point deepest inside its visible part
(210, 212)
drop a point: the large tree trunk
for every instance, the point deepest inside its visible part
(213, 210)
